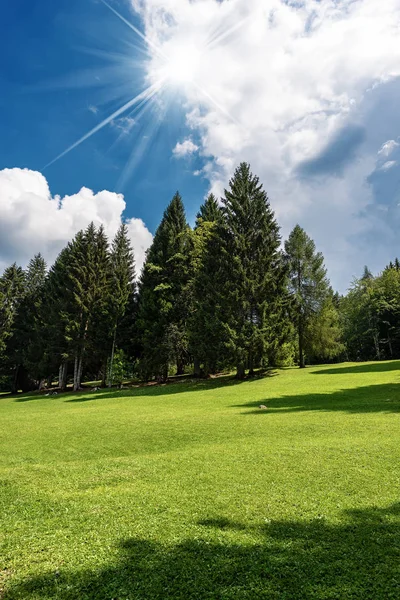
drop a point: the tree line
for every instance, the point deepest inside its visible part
(223, 295)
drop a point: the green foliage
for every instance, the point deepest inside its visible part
(163, 303)
(371, 316)
(309, 288)
(240, 285)
(120, 368)
(190, 491)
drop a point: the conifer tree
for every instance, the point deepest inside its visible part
(308, 283)
(122, 284)
(162, 310)
(209, 211)
(12, 290)
(205, 332)
(254, 279)
(28, 326)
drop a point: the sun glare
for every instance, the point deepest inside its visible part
(181, 63)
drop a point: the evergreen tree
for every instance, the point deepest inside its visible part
(162, 310)
(252, 271)
(205, 331)
(12, 291)
(122, 284)
(209, 212)
(26, 345)
(308, 283)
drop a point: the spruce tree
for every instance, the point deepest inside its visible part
(28, 326)
(162, 309)
(308, 284)
(122, 284)
(12, 291)
(252, 268)
(209, 211)
(206, 335)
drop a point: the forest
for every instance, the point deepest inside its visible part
(226, 295)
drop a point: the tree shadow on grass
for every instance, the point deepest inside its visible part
(174, 387)
(374, 367)
(292, 560)
(367, 399)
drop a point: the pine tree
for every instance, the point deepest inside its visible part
(308, 283)
(250, 265)
(206, 336)
(27, 329)
(162, 309)
(122, 284)
(12, 291)
(209, 211)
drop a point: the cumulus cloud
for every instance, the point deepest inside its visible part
(186, 148)
(283, 85)
(387, 148)
(32, 220)
(124, 124)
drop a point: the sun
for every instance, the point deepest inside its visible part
(179, 64)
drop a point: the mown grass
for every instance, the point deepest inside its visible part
(190, 491)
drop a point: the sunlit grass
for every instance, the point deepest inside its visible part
(192, 491)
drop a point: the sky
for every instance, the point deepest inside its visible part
(108, 108)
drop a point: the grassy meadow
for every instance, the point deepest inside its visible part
(190, 491)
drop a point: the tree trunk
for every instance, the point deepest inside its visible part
(104, 374)
(110, 374)
(251, 365)
(301, 344)
(197, 368)
(240, 371)
(76, 370)
(179, 367)
(14, 387)
(41, 385)
(62, 383)
(80, 370)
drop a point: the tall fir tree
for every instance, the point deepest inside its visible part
(12, 291)
(123, 285)
(209, 211)
(162, 309)
(28, 325)
(206, 336)
(308, 283)
(252, 299)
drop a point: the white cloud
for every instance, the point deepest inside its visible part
(186, 148)
(387, 148)
(388, 165)
(32, 220)
(123, 124)
(276, 82)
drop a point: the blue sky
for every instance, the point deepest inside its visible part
(45, 46)
(307, 92)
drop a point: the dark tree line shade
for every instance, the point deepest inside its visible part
(223, 295)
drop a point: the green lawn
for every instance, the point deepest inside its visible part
(190, 491)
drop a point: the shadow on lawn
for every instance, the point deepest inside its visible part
(368, 399)
(381, 367)
(296, 560)
(178, 385)
(173, 387)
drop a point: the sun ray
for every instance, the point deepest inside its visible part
(140, 98)
(135, 29)
(148, 135)
(219, 38)
(217, 104)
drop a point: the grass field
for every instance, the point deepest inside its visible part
(190, 491)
